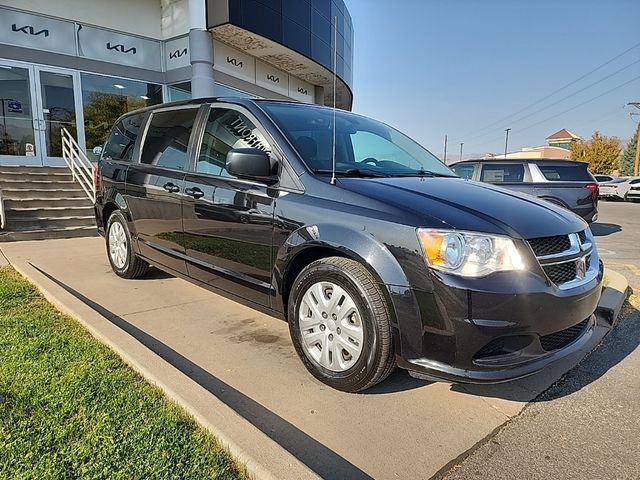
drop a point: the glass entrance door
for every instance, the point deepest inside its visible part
(37, 102)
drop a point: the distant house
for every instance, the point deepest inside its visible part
(558, 145)
(562, 139)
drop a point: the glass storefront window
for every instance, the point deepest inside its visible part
(104, 99)
(16, 115)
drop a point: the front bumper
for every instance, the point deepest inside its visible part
(499, 328)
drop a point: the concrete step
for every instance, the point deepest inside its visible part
(47, 233)
(40, 182)
(33, 169)
(49, 212)
(12, 203)
(44, 192)
(29, 176)
(24, 223)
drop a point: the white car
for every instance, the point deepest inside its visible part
(618, 189)
(633, 194)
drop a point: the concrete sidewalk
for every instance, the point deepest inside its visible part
(237, 373)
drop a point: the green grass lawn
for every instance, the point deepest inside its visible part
(70, 408)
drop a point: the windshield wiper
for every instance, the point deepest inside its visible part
(422, 173)
(354, 172)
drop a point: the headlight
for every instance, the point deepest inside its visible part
(469, 254)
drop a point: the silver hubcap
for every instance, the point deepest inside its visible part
(331, 327)
(117, 245)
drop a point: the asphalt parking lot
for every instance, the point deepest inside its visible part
(617, 234)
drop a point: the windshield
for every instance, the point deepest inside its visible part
(363, 146)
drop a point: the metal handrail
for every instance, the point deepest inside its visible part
(2, 215)
(81, 167)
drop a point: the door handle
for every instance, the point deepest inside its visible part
(171, 187)
(194, 192)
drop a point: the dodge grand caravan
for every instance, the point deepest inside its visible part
(390, 259)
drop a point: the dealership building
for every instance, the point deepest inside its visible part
(79, 64)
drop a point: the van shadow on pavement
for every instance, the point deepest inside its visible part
(605, 229)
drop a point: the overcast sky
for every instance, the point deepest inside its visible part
(459, 67)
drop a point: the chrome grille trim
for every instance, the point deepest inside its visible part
(578, 257)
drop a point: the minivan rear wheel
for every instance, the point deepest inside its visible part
(340, 324)
(124, 262)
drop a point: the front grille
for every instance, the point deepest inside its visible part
(561, 339)
(550, 245)
(561, 272)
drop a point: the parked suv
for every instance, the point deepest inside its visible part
(392, 260)
(566, 183)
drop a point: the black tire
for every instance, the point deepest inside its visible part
(134, 267)
(377, 358)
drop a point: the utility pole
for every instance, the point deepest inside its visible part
(445, 149)
(506, 142)
(636, 163)
(461, 144)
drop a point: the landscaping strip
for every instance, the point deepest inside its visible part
(70, 408)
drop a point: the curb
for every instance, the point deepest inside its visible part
(613, 297)
(255, 469)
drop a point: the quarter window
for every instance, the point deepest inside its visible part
(122, 139)
(502, 173)
(465, 170)
(167, 138)
(227, 129)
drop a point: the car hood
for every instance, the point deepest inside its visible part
(466, 205)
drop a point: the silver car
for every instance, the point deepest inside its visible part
(618, 188)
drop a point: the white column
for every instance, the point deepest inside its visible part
(200, 51)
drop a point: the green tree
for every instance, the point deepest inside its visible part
(628, 158)
(600, 151)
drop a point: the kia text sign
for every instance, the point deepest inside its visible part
(301, 90)
(34, 31)
(119, 48)
(271, 78)
(233, 62)
(176, 53)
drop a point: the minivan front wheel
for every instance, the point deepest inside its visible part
(340, 324)
(124, 262)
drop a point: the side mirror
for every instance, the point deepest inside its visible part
(251, 164)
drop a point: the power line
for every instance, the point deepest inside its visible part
(580, 104)
(552, 93)
(569, 109)
(535, 112)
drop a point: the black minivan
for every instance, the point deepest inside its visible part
(373, 251)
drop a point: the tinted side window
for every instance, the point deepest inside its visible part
(167, 139)
(566, 173)
(227, 129)
(496, 173)
(465, 170)
(122, 138)
(634, 182)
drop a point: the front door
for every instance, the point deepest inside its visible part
(228, 222)
(36, 103)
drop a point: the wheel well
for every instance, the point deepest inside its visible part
(300, 261)
(308, 256)
(108, 209)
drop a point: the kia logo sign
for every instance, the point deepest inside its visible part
(234, 62)
(303, 91)
(273, 78)
(121, 48)
(29, 30)
(178, 53)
